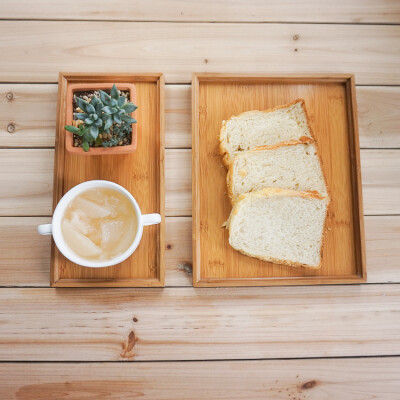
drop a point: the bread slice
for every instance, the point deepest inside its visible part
(279, 225)
(289, 165)
(263, 128)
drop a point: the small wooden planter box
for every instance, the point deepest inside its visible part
(141, 172)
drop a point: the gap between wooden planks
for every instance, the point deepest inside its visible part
(29, 111)
(345, 379)
(25, 256)
(365, 11)
(192, 324)
(371, 52)
(26, 176)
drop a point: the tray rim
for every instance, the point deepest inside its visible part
(296, 78)
(64, 78)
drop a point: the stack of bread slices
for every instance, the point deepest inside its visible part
(276, 186)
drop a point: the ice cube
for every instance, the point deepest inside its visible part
(90, 209)
(79, 243)
(128, 235)
(111, 232)
(80, 222)
(95, 195)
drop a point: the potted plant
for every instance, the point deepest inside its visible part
(99, 119)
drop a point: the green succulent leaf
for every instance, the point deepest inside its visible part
(99, 107)
(121, 101)
(114, 103)
(88, 121)
(129, 107)
(90, 109)
(71, 128)
(95, 100)
(117, 118)
(108, 123)
(85, 146)
(114, 92)
(94, 131)
(107, 110)
(129, 120)
(94, 117)
(81, 116)
(82, 104)
(105, 98)
(99, 123)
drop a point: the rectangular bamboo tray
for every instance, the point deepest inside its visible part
(331, 105)
(141, 173)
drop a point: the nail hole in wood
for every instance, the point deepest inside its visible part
(296, 37)
(9, 96)
(10, 128)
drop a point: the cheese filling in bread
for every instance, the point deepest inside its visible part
(279, 225)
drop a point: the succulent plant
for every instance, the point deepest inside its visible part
(85, 132)
(116, 108)
(99, 115)
(91, 115)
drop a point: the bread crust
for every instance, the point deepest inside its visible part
(224, 151)
(271, 192)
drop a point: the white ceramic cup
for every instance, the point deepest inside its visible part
(55, 227)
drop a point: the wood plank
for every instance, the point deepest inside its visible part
(29, 184)
(347, 379)
(381, 191)
(371, 52)
(198, 324)
(32, 111)
(25, 256)
(378, 116)
(356, 11)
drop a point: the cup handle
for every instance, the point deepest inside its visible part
(151, 219)
(45, 229)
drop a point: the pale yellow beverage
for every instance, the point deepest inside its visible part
(99, 224)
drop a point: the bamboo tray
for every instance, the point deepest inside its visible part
(141, 173)
(331, 105)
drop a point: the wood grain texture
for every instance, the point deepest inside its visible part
(32, 111)
(378, 116)
(330, 107)
(347, 379)
(388, 185)
(25, 255)
(356, 11)
(28, 190)
(199, 324)
(371, 52)
(140, 172)
(30, 266)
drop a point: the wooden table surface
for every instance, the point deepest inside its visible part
(319, 342)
